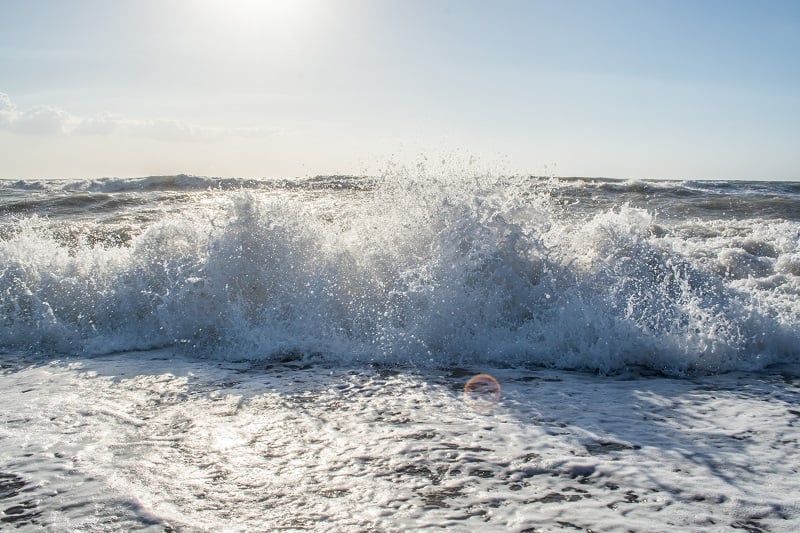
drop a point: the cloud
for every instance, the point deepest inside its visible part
(6, 105)
(7, 110)
(38, 120)
(103, 124)
(42, 120)
(46, 120)
(160, 129)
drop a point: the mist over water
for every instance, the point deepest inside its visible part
(440, 271)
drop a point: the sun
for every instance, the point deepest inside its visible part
(255, 22)
(250, 22)
(269, 14)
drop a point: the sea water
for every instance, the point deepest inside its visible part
(218, 354)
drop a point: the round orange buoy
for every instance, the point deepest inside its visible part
(482, 389)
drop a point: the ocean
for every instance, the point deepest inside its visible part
(183, 353)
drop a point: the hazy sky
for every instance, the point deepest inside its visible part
(632, 89)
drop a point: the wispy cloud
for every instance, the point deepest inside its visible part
(47, 120)
(38, 120)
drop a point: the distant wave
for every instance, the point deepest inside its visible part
(182, 182)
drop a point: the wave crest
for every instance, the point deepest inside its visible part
(437, 272)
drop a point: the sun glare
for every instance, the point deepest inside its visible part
(246, 15)
(250, 23)
(278, 10)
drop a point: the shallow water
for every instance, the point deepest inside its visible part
(153, 441)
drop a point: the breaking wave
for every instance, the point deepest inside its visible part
(435, 272)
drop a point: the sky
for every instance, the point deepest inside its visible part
(678, 89)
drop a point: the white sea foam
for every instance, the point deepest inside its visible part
(435, 271)
(154, 440)
(307, 344)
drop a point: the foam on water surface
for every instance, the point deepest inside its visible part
(154, 441)
(203, 354)
(437, 272)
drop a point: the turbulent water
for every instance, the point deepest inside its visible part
(580, 274)
(195, 353)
